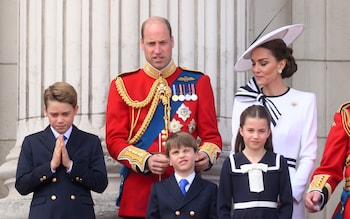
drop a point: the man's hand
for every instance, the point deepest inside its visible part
(312, 201)
(57, 154)
(157, 163)
(202, 161)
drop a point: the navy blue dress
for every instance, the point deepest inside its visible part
(274, 202)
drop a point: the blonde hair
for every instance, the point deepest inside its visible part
(61, 92)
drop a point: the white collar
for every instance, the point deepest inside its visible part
(67, 133)
(189, 178)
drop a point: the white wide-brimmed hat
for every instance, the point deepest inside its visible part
(287, 33)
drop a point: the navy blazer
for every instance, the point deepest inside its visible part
(61, 194)
(167, 201)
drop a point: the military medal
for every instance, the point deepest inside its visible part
(181, 96)
(183, 112)
(175, 97)
(175, 126)
(194, 96)
(192, 126)
(188, 95)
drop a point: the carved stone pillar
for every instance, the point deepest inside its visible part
(87, 43)
(61, 41)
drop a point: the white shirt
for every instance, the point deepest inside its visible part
(189, 178)
(67, 133)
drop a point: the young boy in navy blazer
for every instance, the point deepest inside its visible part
(198, 198)
(61, 164)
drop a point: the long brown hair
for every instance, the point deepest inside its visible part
(254, 111)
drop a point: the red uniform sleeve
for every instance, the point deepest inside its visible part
(330, 172)
(117, 123)
(206, 116)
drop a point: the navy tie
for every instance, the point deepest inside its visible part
(183, 184)
(65, 139)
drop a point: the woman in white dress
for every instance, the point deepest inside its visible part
(293, 112)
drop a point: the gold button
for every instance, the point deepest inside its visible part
(163, 143)
(53, 197)
(177, 213)
(77, 179)
(192, 213)
(72, 197)
(41, 180)
(44, 177)
(163, 132)
(54, 180)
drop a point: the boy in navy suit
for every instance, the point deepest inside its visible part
(198, 198)
(61, 164)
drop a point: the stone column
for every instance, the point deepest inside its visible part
(86, 43)
(62, 41)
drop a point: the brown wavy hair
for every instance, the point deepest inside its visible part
(281, 51)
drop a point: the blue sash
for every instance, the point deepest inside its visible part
(155, 126)
(344, 197)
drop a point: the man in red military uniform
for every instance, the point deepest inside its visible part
(147, 105)
(329, 174)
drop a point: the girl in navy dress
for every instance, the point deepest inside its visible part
(254, 178)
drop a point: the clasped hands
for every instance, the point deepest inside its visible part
(60, 155)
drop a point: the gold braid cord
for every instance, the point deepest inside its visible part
(159, 91)
(346, 117)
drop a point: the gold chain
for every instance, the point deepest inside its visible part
(159, 90)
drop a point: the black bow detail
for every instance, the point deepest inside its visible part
(252, 92)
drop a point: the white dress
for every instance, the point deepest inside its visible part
(294, 136)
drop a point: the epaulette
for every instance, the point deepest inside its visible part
(191, 70)
(344, 106)
(127, 73)
(344, 111)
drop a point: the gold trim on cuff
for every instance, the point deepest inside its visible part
(137, 157)
(211, 150)
(319, 182)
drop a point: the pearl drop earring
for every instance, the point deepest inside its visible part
(280, 71)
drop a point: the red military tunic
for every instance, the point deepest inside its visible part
(335, 161)
(127, 112)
